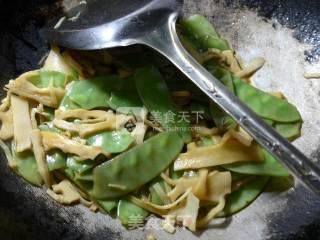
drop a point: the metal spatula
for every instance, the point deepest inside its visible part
(99, 24)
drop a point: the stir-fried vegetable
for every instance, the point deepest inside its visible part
(125, 132)
(127, 172)
(148, 82)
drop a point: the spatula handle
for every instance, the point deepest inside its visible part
(166, 41)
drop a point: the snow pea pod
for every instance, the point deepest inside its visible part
(86, 176)
(242, 198)
(108, 205)
(51, 78)
(220, 118)
(89, 94)
(130, 214)
(132, 169)
(156, 97)
(77, 166)
(124, 99)
(290, 131)
(95, 92)
(269, 167)
(200, 29)
(27, 166)
(56, 159)
(264, 104)
(68, 104)
(222, 74)
(112, 141)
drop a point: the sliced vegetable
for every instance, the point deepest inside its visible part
(244, 196)
(97, 92)
(79, 167)
(220, 118)
(108, 205)
(266, 105)
(268, 167)
(228, 150)
(27, 166)
(89, 94)
(53, 140)
(200, 29)
(130, 214)
(56, 62)
(150, 81)
(56, 159)
(123, 99)
(50, 96)
(6, 131)
(290, 131)
(51, 79)
(127, 171)
(40, 156)
(22, 127)
(113, 141)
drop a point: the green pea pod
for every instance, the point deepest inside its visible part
(86, 176)
(68, 104)
(77, 166)
(269, 122)
(156, 97)
(89, 94)
(96, 92)
(112, 141)
(266, 105)
(242, 198)
(200, 29)
(56, 159)
(154, 196)
(222, 74)
(221, 119)
(108, 205)
(136, 167)
(290, 131)
(122, 99)
(214, 42)
(51, 78)
(199, 26)
(130, 214)
(269, 167)
(27, 166)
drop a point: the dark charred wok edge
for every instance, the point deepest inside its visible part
(301, 16)
(21, 47)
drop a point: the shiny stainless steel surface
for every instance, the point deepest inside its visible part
(152, 23)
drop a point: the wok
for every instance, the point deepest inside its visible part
(285, 32)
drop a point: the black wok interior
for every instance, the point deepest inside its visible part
(21, 48)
